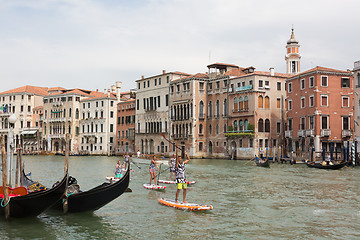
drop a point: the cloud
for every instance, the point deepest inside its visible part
(92, 44)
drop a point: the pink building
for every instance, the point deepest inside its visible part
(319, 109)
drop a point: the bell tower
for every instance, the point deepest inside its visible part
(292, 56)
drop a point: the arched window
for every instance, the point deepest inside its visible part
(241, 125)
(210, 129)
(267, 125)
(217, 128)
(210, 109)
(210, 147)
(261, 125)
(246, 103)
(241, 103)
(77, 113)
(200, 129)
(246, 123)
(217, 108)
(225, 128)
(260, 102)
(201, 109)
(267, 102)
(235, 125)
(236, 104)
(225, 108)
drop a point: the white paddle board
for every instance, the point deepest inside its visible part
(153, 186)
(184, 206)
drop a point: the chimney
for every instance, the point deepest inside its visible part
(118, 90)
(272, 72)
(112, 88)
(164, 71)
(108, 92)
(97, 89)
(104, 90)
(142, 77)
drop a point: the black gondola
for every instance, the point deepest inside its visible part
(262, 162)
(334, 166)
(94, 198)
(34, 203)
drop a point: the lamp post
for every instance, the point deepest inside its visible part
(10, 146)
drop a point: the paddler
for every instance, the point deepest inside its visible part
(152, 170)
(180, 176)
(172, 163)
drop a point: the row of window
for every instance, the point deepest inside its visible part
(13, 98)
(324, 101)
(325, 122)
(96, 128)
(89, 105)
(126, 120)
(152, 103)
(60, 99)
(156, 82)
(345, 83)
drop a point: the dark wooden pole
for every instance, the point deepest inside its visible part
(5, 183)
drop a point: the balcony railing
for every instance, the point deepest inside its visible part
(346, 133)
(201, 116)
(288, 134)
(325, 133)
(57, 135)
(301, 133)
(310, 133)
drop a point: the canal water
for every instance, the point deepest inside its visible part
(281, 202)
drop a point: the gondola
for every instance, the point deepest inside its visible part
(334, 166)
(262, 162)
(94, 198)
(34, 203)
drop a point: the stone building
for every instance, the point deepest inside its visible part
(356, 75)
(152, 112)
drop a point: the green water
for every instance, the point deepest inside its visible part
(282, 202)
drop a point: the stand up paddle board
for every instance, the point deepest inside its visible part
(174, 182)
(152, 186)
(184, 206)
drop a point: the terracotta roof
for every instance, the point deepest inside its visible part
(198, 75)
(318, 68)
(42, 91)
(56, 89)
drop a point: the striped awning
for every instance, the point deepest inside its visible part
(28, 132)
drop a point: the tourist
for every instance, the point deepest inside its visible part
(152, 170)
(180, 176)
(138, 154)
(172, 163)
(118, 170)
(127, 160)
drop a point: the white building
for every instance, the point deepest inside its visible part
(152, 112)
(98, 122)
(21, 102)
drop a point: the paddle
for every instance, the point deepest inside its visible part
(136, 164)
(249, 161)
(162, 171)
(163, 135)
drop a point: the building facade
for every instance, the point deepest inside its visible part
(21, 102)
(319, 109)
(152, 112)
(125, 137)
(356, 74)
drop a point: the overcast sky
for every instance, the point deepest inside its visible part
(91, 44)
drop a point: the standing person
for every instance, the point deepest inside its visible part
(172, 163)
(180, 176)
(138, 153)
(118, 170)
(152, 170)
(127, 160)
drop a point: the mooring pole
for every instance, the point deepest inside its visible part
(5, 182)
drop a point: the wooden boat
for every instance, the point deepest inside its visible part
(262, 162)
(94, 198)
(34, 203)
(334, 166)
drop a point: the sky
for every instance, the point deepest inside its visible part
(91, 44)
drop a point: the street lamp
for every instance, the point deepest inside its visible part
(10, 145)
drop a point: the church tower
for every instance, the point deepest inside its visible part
(292, 56)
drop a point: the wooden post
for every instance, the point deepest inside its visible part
(279, 154)
(5, 183)
(67, 137)
(21, 166)
(17, 169)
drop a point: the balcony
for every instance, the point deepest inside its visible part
(201, 116)
(131, 138)
(325, 133)
(57, 135)
(56, 119)
(179, 137)
(346, 133)
(288, 134)
(244, 88)
(301, 133)
(310, 133)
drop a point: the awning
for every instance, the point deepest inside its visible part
(28, 132)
